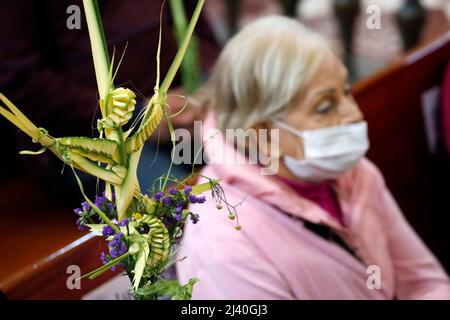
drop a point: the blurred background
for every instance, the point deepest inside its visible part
(398, 67)
(404, 24)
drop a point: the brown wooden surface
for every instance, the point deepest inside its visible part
(391, 103)
(38, 242)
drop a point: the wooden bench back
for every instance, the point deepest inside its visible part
(391, 101)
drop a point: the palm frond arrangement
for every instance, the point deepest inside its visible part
(142, 230)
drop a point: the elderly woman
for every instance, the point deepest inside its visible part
(319, 225)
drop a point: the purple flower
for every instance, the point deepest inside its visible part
(158, 195)
(179, 203)
(107, 231)
(104, 257)
(80, 224)
(187, 189)
(167, 201)
(116, 252)
(124, 222)
(116, 240)
(192, 198)
(195, 218)
(173, 191)
(104, 204)
(86, 206)
(110, 206)
(78, 211)
(179, 211)
(117, 246)
(99, 201)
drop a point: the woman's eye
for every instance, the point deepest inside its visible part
(324, 107)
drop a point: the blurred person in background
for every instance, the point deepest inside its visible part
(324, 224)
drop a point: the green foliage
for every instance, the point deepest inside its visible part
(167, 288)
(190, 68)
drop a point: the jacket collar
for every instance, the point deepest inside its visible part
(233, 168)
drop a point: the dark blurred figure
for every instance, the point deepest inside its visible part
(47, 71)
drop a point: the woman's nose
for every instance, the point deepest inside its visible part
(350, 112)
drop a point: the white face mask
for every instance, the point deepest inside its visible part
(328, 152)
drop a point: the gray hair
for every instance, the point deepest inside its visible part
(262, 69)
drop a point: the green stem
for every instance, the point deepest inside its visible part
(123, 153)
(172, 138)
(94, 274)
(183, 47)
(102, 65)
(98, 45)
(190, 71)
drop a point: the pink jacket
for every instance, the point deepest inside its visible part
(275, 257)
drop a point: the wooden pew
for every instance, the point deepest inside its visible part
(38, 242)
(391, 101)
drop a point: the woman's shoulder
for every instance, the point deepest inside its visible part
(364, 174)
(365, 168)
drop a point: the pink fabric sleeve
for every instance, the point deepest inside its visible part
(418, 274)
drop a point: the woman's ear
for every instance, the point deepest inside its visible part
(267, 140)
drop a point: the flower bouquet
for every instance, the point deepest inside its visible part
(142, 230)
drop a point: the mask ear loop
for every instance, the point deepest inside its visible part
(287, 127)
